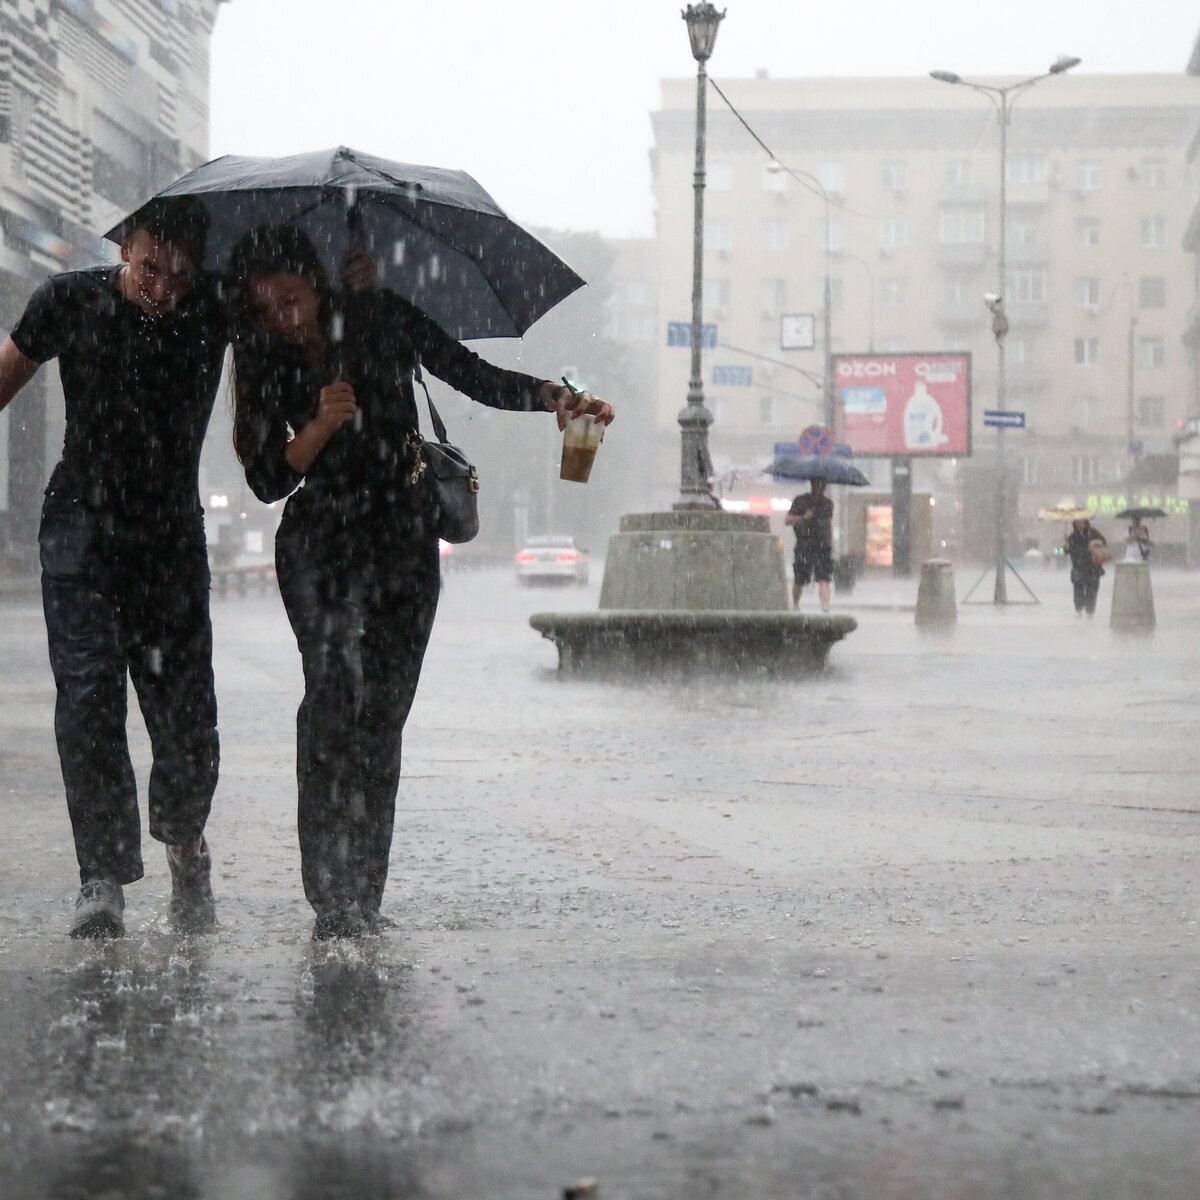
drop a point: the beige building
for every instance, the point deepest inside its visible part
(102, 102)
(1098, 293)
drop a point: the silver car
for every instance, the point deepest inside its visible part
(551, 558)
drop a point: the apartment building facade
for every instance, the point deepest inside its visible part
(1100, 189)
(102, 102)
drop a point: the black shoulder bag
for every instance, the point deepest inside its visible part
(452, 479)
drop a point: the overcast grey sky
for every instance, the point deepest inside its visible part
(546, 102)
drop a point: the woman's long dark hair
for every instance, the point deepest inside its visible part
(267, 250)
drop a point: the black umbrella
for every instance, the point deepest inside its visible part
(437, 238)
(829, 467)
(1139, 514)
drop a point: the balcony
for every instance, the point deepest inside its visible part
(957, 255)
(1024, 314)
(1028, 195)
(1191, 328)
(1027, 256)
(1032, 376)
(960, 316)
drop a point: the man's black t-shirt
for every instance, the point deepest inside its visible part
(139, 390)
(816, 534)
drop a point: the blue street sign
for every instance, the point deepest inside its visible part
(732, 376)
(679, 333)
(1003, 418)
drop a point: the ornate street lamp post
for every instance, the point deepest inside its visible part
(695, 490)
(1003, 98)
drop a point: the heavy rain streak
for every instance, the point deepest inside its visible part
(599, 604)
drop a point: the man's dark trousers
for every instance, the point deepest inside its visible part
(129, 599)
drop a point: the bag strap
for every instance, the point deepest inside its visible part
(439, 427)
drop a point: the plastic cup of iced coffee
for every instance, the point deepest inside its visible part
(581, 438)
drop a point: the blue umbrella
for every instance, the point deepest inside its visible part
(831, 468)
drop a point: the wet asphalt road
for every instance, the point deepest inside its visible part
(925, 927)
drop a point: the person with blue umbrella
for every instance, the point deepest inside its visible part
(811, 516)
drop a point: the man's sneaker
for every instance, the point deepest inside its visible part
(98, 910)
(336, 921)
(193, 909)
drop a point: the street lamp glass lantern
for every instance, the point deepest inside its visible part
(702, 21)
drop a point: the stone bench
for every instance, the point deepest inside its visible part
(633, 641)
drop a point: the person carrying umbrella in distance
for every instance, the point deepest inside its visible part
(811, 517)
(1137, 537)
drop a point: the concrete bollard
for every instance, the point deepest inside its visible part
(935, 595)
(1133, 597)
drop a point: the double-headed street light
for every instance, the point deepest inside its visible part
(1003, 98)
(695, 490)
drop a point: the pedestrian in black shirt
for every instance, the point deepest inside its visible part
(125, 580)
(357, 549)
(811, 516)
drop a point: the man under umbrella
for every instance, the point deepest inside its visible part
(125, 580)
(811, 516)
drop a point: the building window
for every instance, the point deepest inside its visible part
(718, 233)
(719, 176)
(1084, 411)
(832, 176)
(891, 293)
(1029, 470)
(1151, 410)
(718, 293)
(767, 414)
(1087, 351)
(894, 174)
(1028, 286)
(893, 233)
(1089, 175)
(1151, 352)
(956, 289)
(1152, 173)
(1152, 292)
(774, 235)
(960, 226)
(1087, 293)
(836, 236)
(1086, 469)
(1087, 231)
(1153, 233)
(1019, 349)
(1021, 231)
(773, 294)
(1027, 168)
(958, 170)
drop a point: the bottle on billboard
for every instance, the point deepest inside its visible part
(923, 421)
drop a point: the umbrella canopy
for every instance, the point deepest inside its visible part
(831, 468)
(1064, 512)
(1140, 514)
(437, 238)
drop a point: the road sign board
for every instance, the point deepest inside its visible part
(1004, 418)
(679, 333)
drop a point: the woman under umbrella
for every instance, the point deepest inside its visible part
(1087, 548)
(323, 397)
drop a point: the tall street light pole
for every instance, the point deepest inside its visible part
(1003, 98)
(695, 490)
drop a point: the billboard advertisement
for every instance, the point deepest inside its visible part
(903, 404)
